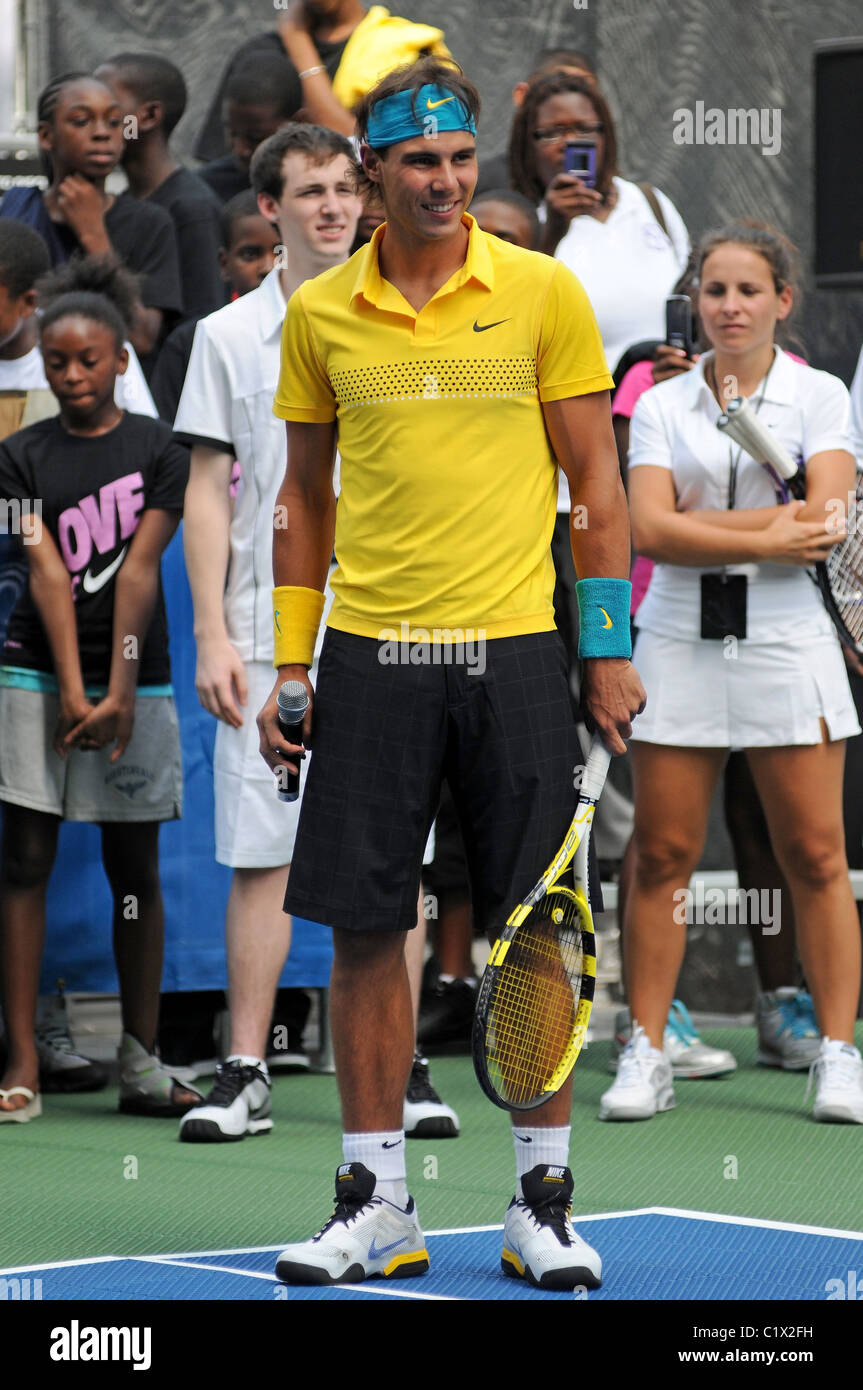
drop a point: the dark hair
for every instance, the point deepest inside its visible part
(23, 257)
(553, 59)
(317, 142)
(268, 79)
(243, 204)
(150, 77)
(410, 78)
(522, 147)
(515, 200)
(780, 254)
(96, 287)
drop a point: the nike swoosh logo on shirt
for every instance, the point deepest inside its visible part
(375, 1252)
(433, 105)
(483, 328)
(92, 583)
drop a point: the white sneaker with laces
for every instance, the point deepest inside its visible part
(838, 1074)
(539, 1243)
(366, 1235)
(643, 1083)
(238, 1104)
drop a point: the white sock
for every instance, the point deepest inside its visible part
(249, 1062)
(534, 1145)
(384, 1155)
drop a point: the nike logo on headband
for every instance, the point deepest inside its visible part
(432, 105)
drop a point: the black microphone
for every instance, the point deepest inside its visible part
(293, 701)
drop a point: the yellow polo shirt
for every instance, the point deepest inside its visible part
(448, 479)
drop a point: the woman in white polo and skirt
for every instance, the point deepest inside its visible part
(736, 651)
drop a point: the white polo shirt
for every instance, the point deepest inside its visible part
(227, 404)
(674, 427)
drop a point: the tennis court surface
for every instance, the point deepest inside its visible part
(735, 1195)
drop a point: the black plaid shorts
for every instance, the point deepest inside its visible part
(495, 721)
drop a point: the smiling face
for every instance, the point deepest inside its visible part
(318, 211)
(738, 303)
(82, 359)
(85, 133)
(425, 184)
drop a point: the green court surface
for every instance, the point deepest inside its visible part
(85, 1181)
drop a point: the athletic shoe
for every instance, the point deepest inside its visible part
(689, 1055)
(61, 1067)
(149, 1088)
(643, 1083)
(425, 1116)
(838, 1072)
(366, 1235)
(539, 1243)
(239, 1104)
(788, 1034)
(446, 1015)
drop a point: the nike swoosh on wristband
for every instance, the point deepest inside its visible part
(92, 583)
(608, 623)
(483, 328)
(375, 1252)
(432, 105)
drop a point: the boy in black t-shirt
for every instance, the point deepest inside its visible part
(258, 99)
(151, 93)
(88, 729)
(80, 129)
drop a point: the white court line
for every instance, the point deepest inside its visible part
(254, 1274)
(682, 1212)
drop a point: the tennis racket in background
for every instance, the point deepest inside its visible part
(840, 577)
(536, 994)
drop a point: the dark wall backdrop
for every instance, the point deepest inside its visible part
(653, 56)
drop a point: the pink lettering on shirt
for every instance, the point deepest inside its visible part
(95, 522)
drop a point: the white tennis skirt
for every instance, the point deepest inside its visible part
(735, 695)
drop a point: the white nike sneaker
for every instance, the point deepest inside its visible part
(838, 1072)
(643, 1083)
(238, 1104)
(690, 1056)
(365, 1235)
(539, 1243)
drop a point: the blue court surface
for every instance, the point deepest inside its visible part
(655, 1253)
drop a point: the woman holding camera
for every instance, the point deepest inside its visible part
(626, 242)
(736, 650)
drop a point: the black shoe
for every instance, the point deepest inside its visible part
(446, 1016)
(425, 1115)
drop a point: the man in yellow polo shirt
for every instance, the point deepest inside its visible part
(456, 372)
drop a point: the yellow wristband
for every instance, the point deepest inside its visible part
(296, 619)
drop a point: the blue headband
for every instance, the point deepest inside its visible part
(403, 117)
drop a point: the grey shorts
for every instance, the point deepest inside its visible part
(146, 784)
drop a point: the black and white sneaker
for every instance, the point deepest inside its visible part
(425, 1115)
(539, 1243)
(239, 1104)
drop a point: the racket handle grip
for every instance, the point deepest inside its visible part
(596, 771)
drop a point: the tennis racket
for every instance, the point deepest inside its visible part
(536, 994)
(840, 577)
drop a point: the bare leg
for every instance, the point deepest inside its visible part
(372, 1026)
(801, 792)
(673, 788)
(29, 849)
(757, 869)
(258, 939)
(415, 945)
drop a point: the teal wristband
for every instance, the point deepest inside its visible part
(603, 613)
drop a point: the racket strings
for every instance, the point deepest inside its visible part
(845, 570)
(533, 1015)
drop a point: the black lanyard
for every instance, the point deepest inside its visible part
(734, 463)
